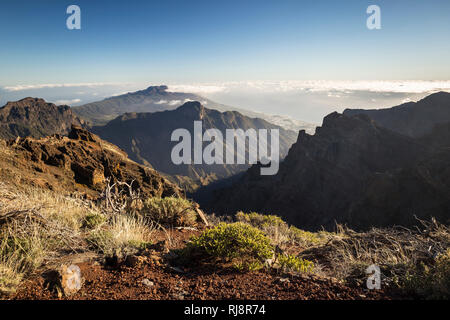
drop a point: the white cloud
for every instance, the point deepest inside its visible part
(174, 102)
(200, 89)
(406, 100)
(67, 102)
(117, 94)
(56, 85)
(334, 87)
(161, 102)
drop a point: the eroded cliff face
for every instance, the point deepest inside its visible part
(351, 171)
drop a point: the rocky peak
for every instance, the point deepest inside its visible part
(36, 118)
(193, 109)
(78, 133)
(324, 175)
(155, 90)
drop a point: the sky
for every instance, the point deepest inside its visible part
(128, 45)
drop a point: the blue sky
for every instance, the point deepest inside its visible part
(128, 45)
(185, 41)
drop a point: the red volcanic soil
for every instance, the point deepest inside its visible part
(155, 277)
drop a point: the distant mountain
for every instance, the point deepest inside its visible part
(158, 98)
(413, 119)
(353, 171)
(146, 137)
(35, 118)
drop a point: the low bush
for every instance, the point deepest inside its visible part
(241, 243)
(430, 282)
(280, 232)
(171, 211)
(293, 263)
(92, 221)
(121, 236)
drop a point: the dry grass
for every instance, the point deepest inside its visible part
(39, 226)
(36, 227)
(397, 251)
(10, 274)
(170, 211)
(414, 261)
(121, 235)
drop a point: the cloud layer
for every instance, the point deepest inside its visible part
(399, 86)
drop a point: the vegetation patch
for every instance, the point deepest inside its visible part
(292, 263)
(280, 232)
(122, 235)
(92, 221)
(247, 247)
(171, 211)
(10, 275)
(430, 281)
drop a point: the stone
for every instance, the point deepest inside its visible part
(148, 283)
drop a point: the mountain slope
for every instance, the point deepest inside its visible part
(413, 119)
(158, 98)
(152, 99)
(80, 162)
(36, 118)
(351, 171)
(146, 137)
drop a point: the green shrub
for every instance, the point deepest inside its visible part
(92, 221)
(306, 238)
(170, 211)
(290, 262)
(260, 220)
(431, 282)
(279, 231)
(247, 246)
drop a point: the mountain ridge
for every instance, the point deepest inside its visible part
(36, 118)
(354, 171)
(414, 119)
(159, 98)
(147, 137)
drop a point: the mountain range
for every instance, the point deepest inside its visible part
(146, 137)
(358, 171)
(159, 98)
(363, 168)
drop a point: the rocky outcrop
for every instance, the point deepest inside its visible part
(33, 117)
(351, 171)
(83, 162)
